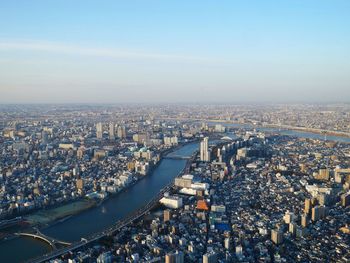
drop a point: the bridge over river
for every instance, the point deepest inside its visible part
(53, 242)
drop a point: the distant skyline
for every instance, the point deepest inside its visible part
(181, 51)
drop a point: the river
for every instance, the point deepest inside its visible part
(100, 217)
(295, 133)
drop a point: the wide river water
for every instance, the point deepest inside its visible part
(118, 206)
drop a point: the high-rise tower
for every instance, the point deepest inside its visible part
(111, 131)
(99, 130)
(204, 151)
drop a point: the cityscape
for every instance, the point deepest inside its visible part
(175, 131)
(239, 190)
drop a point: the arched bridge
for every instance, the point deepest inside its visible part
(51, 241)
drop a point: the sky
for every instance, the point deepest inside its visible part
(83, 51)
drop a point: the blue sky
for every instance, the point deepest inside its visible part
(174, 51)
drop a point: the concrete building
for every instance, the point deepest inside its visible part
(276, 236)
(166, 215)
(170, 141)
(345, 199)
(307, 207)
(173, 202)
(304, 220)
(288, 217)
(183, 182)
(121, 132)
(210, 257)
(323, 174)
(99, 130)
(292, 228)
(204, 150)
(111, 131)
(177, 257)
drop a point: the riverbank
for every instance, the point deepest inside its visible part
(44, 217)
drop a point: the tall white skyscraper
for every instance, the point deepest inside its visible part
(204, 151)
(99, 130)
(111, 131)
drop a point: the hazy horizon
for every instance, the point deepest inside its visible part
(175, 52)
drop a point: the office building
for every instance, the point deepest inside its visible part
(170, 141)
(315, 213)
(140, 138)
(142, 167)
(308, 206)
(219, 128)
(288, 217)
(210, 257)
(121, 132)
(227, 243)
(171, 201)
(323, 174)
(340, 175)
(167, 215)
(292, 228)
(304, 220)
(300, 232)
(111, 131)
(204, 150)
(345, 199)
(177, 257)
(80, 184)
(239, 251)
(99, 130)
(323, 211)
(276, 236)
(143, 153)
(242, 153)
(183, 182)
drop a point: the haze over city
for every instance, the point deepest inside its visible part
(183, 51)
(174, 131)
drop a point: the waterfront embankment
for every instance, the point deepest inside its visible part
(51, 215)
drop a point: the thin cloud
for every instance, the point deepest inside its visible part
(95, 52)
